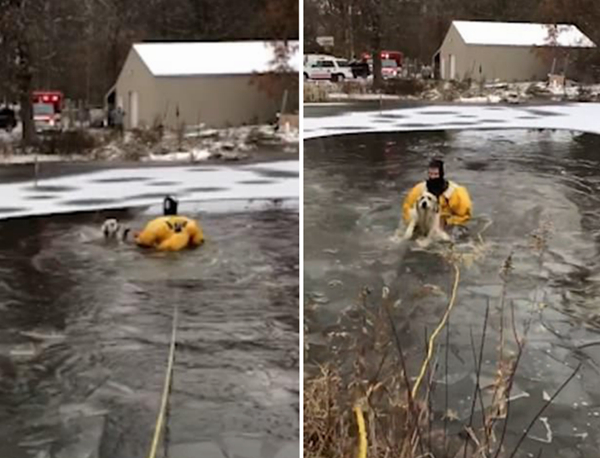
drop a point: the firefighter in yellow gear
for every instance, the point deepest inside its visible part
(170, 232)
(455, 203)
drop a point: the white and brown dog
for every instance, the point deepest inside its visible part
(425, 221)
(113, 230)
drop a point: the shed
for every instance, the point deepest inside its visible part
(191, 83)
(507, 51)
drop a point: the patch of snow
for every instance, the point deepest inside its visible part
(342, 96)
(580, 117)
(32, 158)
(192, 156)
(118, 188)
(290, 137)
(327, 104)
(481, 99)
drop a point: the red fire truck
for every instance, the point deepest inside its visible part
(47, 108)
(391, 63)
(396, 56)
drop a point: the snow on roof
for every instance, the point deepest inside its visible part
(520, 34)
(210, 58)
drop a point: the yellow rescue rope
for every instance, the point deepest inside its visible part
(436, 332)
(166, 390)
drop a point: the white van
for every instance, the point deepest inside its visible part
(310, 58)
(328, 69)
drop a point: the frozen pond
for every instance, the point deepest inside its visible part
(518, 179)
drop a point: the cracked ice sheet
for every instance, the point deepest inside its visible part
(123, 188)
(578, 116)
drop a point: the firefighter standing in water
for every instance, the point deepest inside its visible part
(170, 232)
(455, 202)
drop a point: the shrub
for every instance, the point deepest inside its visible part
(68, 142)
(315, 93)
(404, 86)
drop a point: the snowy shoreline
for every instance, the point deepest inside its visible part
(196, 145)
(358, 90)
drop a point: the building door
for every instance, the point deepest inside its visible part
(133, 110)
(452, 67)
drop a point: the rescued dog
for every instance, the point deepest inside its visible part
(113, 230)
(425, 221)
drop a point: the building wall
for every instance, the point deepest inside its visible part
(506, 63)
(216, 101)
(453, 45)
(136, 78)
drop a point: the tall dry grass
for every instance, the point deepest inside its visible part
(366, 403)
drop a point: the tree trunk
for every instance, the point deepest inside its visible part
(376, 49)
(25, 78)
(351, 32)
(376, 54)
(114, 53)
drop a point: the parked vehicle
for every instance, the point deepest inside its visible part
(310, 58)
(389, 68)
(54, 98)
(8, 119)
(396, 56)
(47, 110)
(328, 69)
(45, 117)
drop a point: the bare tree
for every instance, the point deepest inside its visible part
(371, 13)
(418, 27)
(281, 19)
(586, 15)
(18, 32)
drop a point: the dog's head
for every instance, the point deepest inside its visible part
(110, 228)
(428, 202)
(177, 226)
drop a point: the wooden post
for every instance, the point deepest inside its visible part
(284, 101)
(35, 169)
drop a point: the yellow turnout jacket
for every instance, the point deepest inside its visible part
(171, 233)
(455, 203)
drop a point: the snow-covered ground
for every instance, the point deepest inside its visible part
(227, 143)
(122, 188)
(32, 158)
(583, 117)
(197, 144)
(361, 89)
